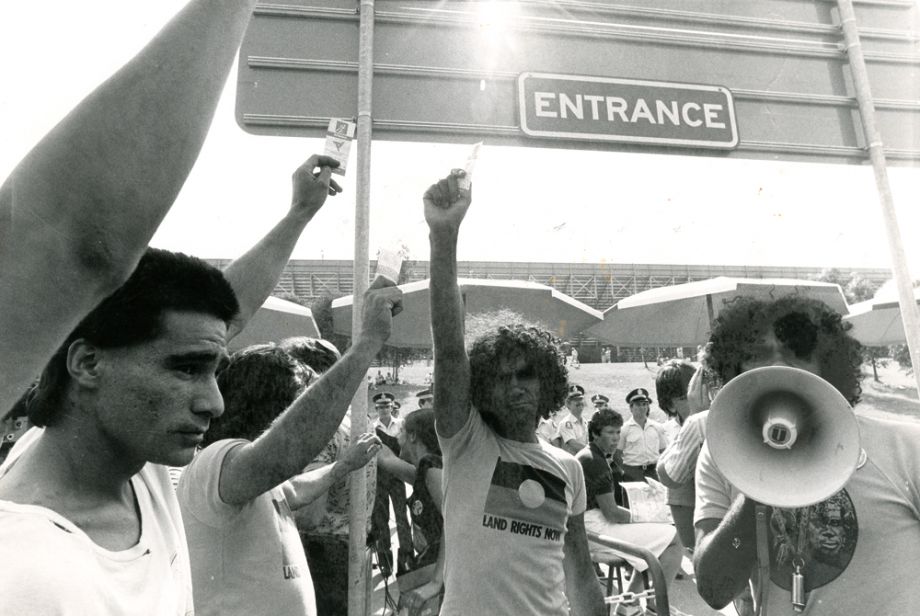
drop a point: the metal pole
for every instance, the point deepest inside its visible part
(357, 515)
(909, 314)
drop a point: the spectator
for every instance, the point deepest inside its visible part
(671, 387)
(511, 501)
(238, 493)
(605, 517)
(419, 463)
(390, 489)
(641, 440)
(572, 431)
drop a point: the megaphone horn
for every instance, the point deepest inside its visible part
(783, 436)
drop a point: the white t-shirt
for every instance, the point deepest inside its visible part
(245, 559)
(862, 544)
(506, 508)
(51, 567)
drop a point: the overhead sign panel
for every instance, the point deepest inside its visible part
(450, 71)
(626, 110)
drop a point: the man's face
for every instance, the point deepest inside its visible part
(425, 403)
(384, 410)
(771, 352)
(515, 394)
(575, 405)
(608, 438)
(639, 410)
(154, 401)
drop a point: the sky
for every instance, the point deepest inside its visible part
(529, 204)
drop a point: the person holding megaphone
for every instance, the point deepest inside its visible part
(817, 507)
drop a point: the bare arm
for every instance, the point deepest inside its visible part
(308, 486)
(88, 197)
(254, 275)
(391, 463)
(613, 512)
(581, 585)
(573, 446)
(725, 553)
(433, 483)
(298, 434)
(445, 207)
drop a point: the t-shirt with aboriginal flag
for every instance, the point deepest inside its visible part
(506, 507)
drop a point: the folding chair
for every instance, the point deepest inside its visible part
(659, 588)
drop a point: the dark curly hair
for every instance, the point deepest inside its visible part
(808, 327)
(258, 384)
(133, 315)
(602, 419)
(539, 348)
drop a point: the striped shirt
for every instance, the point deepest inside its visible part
(679, 459)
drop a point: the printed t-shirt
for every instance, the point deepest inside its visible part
(862, 545)
(246, 559)
(51, 567)
(506, 507)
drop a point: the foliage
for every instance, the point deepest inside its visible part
(856, 288)
(901, 354)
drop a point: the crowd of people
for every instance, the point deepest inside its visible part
(154, 473)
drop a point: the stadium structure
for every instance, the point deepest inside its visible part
(599, 285)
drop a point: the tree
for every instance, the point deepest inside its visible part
(901, 354)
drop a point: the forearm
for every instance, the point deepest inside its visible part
(725, 554)
(254, 275)
(398, 468)
(582, 587)
(301, 432)
(451, 364)
(573, 446)
(311, 485)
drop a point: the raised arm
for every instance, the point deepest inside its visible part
(307, 487)
(298, 434)
(254, 275)
(445, 206)
(77, 213)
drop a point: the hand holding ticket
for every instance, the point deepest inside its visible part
(389, 264)
(467, 180)
(339, 136)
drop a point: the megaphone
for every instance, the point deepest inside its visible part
(783, 436)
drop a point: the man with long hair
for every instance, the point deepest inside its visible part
(854, 553)
(514, 506)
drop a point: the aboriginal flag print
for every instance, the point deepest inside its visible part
(528, 494)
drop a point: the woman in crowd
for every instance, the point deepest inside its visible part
(419, 463)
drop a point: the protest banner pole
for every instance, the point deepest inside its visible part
(357, 514)
(906, 300)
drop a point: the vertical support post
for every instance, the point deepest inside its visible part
(909, 314)
(357, 514)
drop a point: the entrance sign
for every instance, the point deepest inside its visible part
(449, 71)
(626, 110)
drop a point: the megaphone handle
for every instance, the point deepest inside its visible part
(763, 558)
